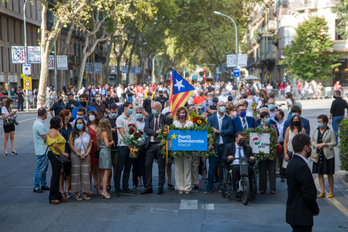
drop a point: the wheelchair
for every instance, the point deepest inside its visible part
(244, 189)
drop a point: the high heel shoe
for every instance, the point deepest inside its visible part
(85, 197)
(105, 195)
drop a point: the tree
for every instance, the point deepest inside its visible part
(341, 9)
(310, 53)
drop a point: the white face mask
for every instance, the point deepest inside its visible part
(91, 118)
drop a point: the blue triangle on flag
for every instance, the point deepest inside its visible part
(180, 85)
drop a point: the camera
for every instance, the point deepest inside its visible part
(15, 122)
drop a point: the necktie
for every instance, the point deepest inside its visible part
(156, 128)
(244, 124)
(239, 154)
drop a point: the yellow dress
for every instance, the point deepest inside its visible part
(59, 140)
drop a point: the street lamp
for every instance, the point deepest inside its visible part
(153, 67)
(236, 31)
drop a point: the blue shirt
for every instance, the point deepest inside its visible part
(74, 111)
(66, 134)
(39, 129)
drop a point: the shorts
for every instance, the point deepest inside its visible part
(299, 92)
(114, 156)
(8, 129)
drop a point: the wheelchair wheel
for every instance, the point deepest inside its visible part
(254, 187)
(246, 190)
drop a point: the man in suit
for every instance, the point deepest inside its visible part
(296, 110)
(154, 122)
(242, 122)
(223, 129)
(236, 150)
(301, 205)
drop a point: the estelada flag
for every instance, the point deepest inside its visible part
(180, 91)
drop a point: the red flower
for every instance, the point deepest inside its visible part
(141, 132)
(132, 125)
(137, 134)
(195, 120)
(131, 131)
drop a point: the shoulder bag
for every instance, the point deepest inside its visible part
(62, 159)
(315, 155)
(8, 121)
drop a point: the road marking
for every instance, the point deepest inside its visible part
(209, 206)
(164, 211)
(189, 204)
(335, 202)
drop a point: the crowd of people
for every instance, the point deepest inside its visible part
(89, 127)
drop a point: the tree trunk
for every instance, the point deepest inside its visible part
(107, 62)
(143, 59)
(83, 64)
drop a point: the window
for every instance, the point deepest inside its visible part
(289, 33)
(79, 50)
(337, 35)
(9, 59)
(75, 53)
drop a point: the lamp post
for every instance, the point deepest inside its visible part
(236, 32)
(153, 68)
(25, 53)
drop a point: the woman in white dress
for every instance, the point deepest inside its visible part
(182, 163)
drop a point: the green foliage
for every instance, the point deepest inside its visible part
(309, 56)
(272, 146)
(343, 146)
(341, 10)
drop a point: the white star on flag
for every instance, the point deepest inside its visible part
(179, 84)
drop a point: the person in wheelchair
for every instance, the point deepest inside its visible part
(236, 150)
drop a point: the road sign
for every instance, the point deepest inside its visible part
(62, 62)
(27, 83)
(18, 54)
(26, 69)
(34, 54)
(100, 81)
(231, 61)
(236, 72)
(50, 62)
(243, 60)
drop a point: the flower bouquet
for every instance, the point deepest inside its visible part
(198, 120)
(255, 113)
(134, 138)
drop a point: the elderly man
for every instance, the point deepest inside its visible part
(272, 109)
(154, 122)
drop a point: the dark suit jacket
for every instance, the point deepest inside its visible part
(226, 128)
(237, 124)
(150, 123)
(230, 149)
(302, 193)
(305, 125)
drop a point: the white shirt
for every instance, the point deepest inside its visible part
(236, 155)
(306, 160)
(246, 122)
(220, 125)
(280, 126)
(177, 124)
(81, 143)
(223, 98)
(140, 124)
(165, 110)
(123, 122)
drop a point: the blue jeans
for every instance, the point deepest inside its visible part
(213, 161)
(123, 161)
(40, 174)
(335, 124)
(130, 99)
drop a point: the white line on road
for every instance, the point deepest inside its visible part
(209, 206)
(164, 211)
(189, 204)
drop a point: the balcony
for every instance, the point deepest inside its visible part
(304, 4)
(271, 26)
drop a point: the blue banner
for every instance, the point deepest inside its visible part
(188, 140)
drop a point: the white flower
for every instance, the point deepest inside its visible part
(132, 136)
(140, 140)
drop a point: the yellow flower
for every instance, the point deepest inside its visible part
(199, 121)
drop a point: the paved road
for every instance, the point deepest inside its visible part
(23, 210)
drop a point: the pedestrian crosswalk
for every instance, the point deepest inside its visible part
(184, 205)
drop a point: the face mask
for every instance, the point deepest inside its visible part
(201, 94)
(91, 118)
(182, 116)
(222, 109)
(161, 95)
(224, 93)
(130, 111)
(98, 99)
(60, 101)
(292, 115)
(309, 153)
(154, 112)
(267, 120)
(234, 113)
(271, 107)
(276, 118)
(139, 116)
(109, 95)
(243, 114)
(217, 92)
(113, 115)
(335, 97)
(83, 104)
(78, 116)
(150, 97)
(320, 124)
(199, 112)
(11, 106)
(296, 123)
(79, 126)
(241, 142)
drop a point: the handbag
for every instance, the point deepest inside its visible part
(290, 154)
(315, 156)
(8, 121)
(62, 159)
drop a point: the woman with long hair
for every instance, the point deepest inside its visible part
(104, 138)
(65, 173)
(81, 144)
(9, 130)
(92, 123)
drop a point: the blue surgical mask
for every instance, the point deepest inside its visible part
(271, 107)
(139, 116)
(267, 120)
(320, 124)
(79, 126)
(113, 115)
(154, 112)
(78, 116)
(130, 111)
(222, 109)
(199, 112)
(243, 114)
(224, 93)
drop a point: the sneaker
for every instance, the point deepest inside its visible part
(208, 190)
(117, 194)
(134, 188)
(128, 192)
(37, 190)
(45, 188)
(5, 154)
(14, 153)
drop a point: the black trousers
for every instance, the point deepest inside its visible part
(280, 162)
(139, 167)
(20, 103)
(124, 161)
(154, 152)
(301, 228)
(56, 167)
(236, 175)
(270, 166)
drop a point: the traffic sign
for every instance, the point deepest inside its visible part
(231, 61)
(236, 72)
(27, 83)
(6, 86)
(26, 69)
